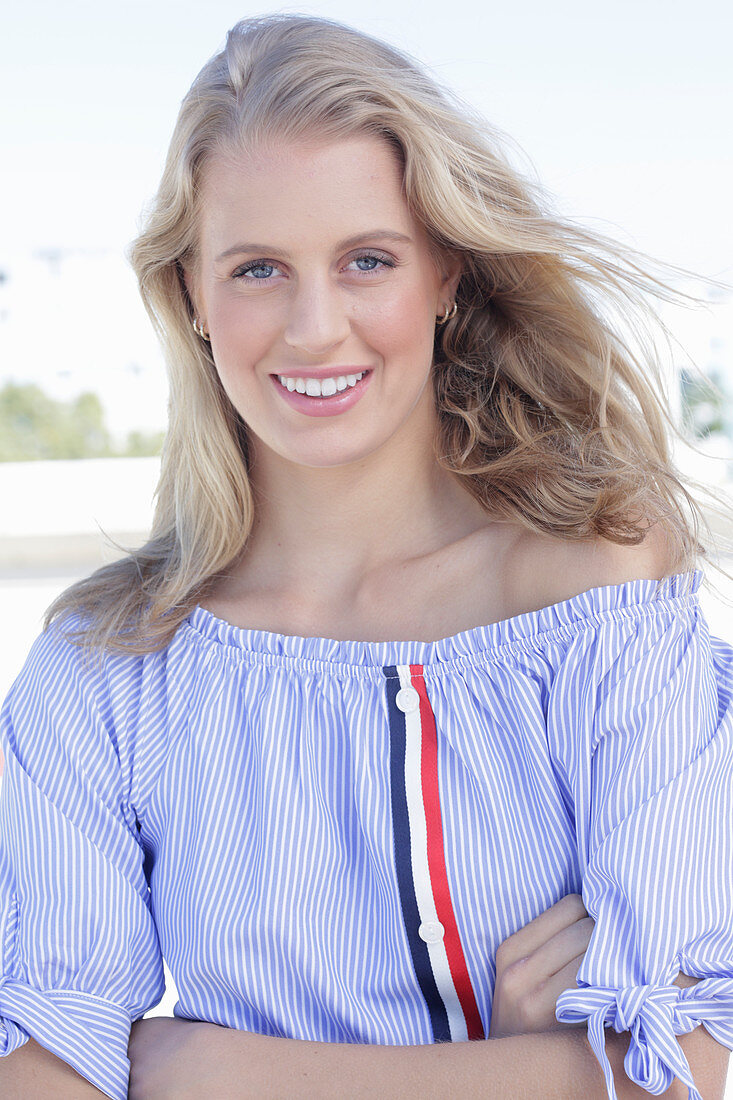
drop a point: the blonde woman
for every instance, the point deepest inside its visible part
(403, 740)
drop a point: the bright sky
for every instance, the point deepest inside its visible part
(623, 110)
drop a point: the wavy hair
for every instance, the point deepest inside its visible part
(547, 382)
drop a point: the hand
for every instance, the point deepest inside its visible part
(535, 965)
(163, 1059)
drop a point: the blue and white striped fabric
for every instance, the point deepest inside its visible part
(329, 839)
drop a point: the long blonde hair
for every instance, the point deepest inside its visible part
(547, 412)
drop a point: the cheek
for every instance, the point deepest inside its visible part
(240, 336)
(401, 322)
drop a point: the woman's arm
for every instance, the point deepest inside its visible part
(237, 1065)
(33, 1073)
(233, 1064)
(179, 1058)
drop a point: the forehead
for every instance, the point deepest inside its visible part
(303, 190)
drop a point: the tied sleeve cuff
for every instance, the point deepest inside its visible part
(654, 1016)
(89, 1033)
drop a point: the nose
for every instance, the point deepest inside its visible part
(317, 319)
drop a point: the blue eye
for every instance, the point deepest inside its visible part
(256, 267)
(374, 261)
(262, 271)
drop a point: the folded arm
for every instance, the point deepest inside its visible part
(33, 1073)
(239, 1065)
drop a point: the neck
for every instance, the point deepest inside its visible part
(320, 533)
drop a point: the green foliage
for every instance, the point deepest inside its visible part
(704, 403)
(143, 444)
(35, 426)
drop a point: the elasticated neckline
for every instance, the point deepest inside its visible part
(617, 600)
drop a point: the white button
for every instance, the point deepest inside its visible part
(407, 699)
(432, 931)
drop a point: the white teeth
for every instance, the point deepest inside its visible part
(323, 387)
(319, 388)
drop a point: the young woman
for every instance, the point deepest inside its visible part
(405, 727)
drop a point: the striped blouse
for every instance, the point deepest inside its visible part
(329, 840)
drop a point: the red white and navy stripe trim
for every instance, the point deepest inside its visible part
(427, 907)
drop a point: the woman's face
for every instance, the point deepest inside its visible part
(311, 266)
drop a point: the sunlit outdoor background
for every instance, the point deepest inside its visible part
(623, 112)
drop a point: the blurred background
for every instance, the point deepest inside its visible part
(622, 112)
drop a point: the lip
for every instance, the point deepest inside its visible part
(324, 406)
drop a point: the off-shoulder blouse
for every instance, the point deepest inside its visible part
(329, 840)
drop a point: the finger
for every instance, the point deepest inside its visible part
(564, 913)
(547, 995)
(567, 978)
(531, 972)
(569, 943)
(536, 1007)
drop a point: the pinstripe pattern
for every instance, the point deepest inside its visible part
(228, 804)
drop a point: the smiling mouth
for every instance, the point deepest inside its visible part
(311, 387)
(319, 405)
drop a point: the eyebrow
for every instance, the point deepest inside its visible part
(374, 234)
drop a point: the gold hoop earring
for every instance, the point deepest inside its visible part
(450, 312)
(199, 329)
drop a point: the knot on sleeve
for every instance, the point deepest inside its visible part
(654, 1016)
(625, 1007)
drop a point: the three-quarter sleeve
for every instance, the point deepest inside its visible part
(652, 781)
(79, 952)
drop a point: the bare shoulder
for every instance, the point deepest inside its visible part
(546, 570)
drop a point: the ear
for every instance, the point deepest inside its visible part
(189, 280)
(451, 267)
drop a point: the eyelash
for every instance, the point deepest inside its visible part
(254, 264)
